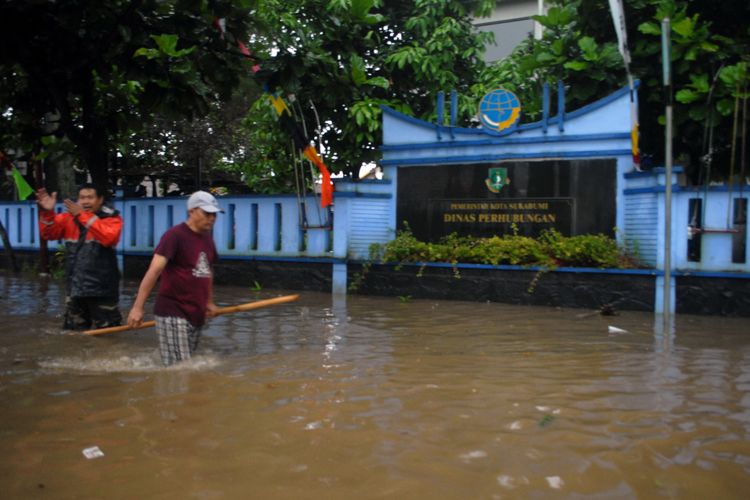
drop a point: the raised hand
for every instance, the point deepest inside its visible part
(44, 200)
(73, 207)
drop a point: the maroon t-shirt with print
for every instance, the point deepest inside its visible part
(186, 279)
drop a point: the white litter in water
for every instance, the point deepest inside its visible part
(472, 455)
(542, 408)
(506, 481)
(92, 452)
(614, 329)
(515, 425)
(510, 482)
(555, 482)
(313, 425)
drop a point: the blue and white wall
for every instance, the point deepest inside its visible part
(644, 229)
(270, 227)
(252, 226)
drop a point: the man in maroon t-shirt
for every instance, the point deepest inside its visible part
(183, 259)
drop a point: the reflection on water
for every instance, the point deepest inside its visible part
(375, 398)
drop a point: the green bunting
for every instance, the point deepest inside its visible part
(24, 190)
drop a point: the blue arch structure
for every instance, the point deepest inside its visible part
(600, 130)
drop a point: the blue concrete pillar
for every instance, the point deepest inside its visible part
(659, 299)
(664, 335)
(339, 278)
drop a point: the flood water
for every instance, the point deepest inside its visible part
(375, 398)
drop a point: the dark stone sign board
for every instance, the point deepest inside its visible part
(487, 199)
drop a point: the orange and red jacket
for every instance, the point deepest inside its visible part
(90, 261)
(105, 230)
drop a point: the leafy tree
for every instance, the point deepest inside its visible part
(98, 68)
(589, 67)
(709, 65)
(172, 150)
(710, 57)
(343, 59)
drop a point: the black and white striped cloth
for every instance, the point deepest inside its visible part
(178, 339)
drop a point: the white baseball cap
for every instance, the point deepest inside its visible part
(205, 201)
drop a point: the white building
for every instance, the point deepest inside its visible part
(511, 23)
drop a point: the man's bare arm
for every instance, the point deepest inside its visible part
(158, 263)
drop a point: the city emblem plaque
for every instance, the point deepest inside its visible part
(499, 110)
(497, 178)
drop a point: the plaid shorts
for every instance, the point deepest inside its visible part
(178, 339)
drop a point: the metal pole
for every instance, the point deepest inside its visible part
(666, 68)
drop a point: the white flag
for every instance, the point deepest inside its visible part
(618, 16)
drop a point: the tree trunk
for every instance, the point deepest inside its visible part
(198, 171)
(95, 142)
(66, 177)
(96, 156)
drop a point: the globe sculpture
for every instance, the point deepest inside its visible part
(499, 110)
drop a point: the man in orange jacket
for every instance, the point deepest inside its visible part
(90, 231)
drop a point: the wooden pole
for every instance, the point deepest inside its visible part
(8, 249)
(5, 162)
(224, 310)
(43, 248)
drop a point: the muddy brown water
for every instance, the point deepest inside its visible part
(375, 397)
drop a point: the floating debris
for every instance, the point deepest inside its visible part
(547, 419)
(546, 409)
(510, 482)
(607, 310)
(313, 425)
(92, 452)
(506, 481)
(614, 329)
(472, 455)
(555, 482)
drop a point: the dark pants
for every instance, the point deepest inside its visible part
(81, 313)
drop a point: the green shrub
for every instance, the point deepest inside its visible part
(513, 250)
(550, 250)
(404, 248)
(587, 250)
